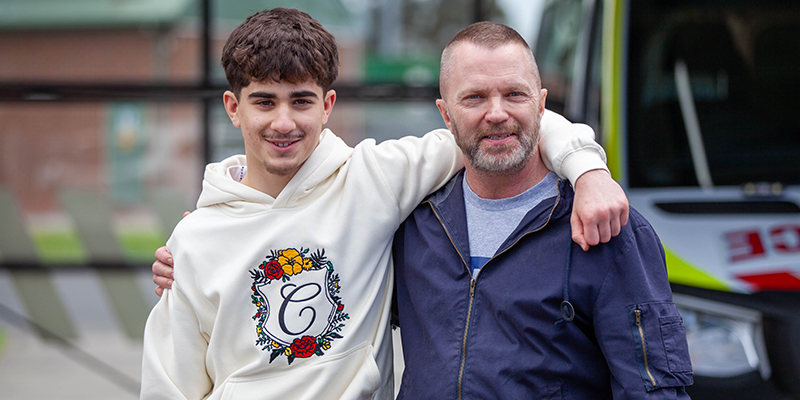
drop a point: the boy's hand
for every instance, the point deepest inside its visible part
(599, 211)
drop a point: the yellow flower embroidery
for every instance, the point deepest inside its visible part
(293, 262)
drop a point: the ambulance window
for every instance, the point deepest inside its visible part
(555, 50)
(741, 61)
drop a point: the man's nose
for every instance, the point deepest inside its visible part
(283, 121)
(496, 112)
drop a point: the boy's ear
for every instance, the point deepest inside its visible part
(327, 105)
(231, 107)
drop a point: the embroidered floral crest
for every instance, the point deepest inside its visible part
(298, 308)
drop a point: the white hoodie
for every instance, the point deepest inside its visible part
(289, 297)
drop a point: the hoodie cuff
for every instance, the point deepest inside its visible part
(580, 162)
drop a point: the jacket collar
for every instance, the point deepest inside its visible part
(448, 204)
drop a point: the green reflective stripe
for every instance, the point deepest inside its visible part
(127, 300)
(612, 62)
(683, 273)
(43, 304)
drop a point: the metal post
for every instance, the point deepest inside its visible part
(478, 14)
(206, 78)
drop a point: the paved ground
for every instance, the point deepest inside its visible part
(101, 362)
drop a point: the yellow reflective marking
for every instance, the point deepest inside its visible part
(612, 62)
(683, 273)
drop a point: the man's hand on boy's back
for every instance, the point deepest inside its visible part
(162, 268)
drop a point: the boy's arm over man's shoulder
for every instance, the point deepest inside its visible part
(600, 208)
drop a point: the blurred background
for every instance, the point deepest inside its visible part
(109, 110)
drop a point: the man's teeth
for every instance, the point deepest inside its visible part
(500, 136)
(282, 144)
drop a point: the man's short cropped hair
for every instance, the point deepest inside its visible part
(280, 45)
(489, 35)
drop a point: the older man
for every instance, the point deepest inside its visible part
(494, 299)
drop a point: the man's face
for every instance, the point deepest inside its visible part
(493, 106)
(281, 124)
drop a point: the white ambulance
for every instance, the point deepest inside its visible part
(697, 103)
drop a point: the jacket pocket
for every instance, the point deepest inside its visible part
(351, 375)
(674, 336)
(660, 345)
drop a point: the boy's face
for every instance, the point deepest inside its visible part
(281, 124)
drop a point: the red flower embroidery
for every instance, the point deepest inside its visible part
(273, 270)
(340, 307)
(304, 347)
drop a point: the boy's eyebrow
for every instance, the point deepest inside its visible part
(262, 95)
(303, 93)
(293, 95)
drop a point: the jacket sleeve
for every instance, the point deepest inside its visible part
(569, 149)
(173, 363)
(638, 328)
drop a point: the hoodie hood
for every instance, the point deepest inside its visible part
(219, 189)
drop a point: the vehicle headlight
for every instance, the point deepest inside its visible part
(724, 340)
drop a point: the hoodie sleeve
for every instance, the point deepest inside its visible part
(413, 167)
(569, 149)
(173, 365)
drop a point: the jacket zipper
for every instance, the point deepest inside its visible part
(638, 313)
(472, 284)
(474, 281)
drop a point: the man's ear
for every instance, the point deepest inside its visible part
(442, 105)
(543, 97)
(327, 105)
(231, 107)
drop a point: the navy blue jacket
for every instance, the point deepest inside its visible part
(502, 335)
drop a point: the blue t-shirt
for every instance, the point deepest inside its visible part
(490, 222)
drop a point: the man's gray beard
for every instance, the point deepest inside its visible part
(484, 161)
